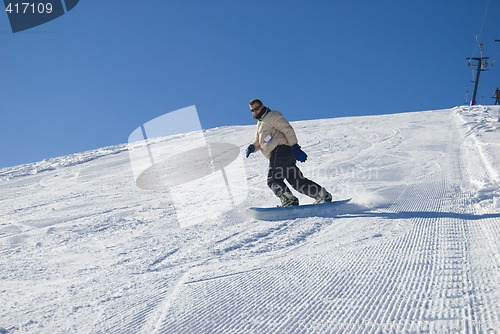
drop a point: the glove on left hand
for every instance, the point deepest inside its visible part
(299, 154)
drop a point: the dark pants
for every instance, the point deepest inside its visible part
(282, 166)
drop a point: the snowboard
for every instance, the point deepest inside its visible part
(292, 212)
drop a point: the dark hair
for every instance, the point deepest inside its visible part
(255, 101)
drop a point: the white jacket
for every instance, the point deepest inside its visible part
(273, 130)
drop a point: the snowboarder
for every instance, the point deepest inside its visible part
(277, 141)
(497, 96)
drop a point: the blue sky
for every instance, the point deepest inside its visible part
(90, 77)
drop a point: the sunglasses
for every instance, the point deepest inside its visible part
(256, 108)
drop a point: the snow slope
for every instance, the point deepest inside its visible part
(84, 250)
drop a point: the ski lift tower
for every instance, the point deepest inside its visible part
(482, 64)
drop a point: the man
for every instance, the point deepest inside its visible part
(277, 141)
(497, 96)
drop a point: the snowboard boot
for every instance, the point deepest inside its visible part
(323, 197)
(288, 199)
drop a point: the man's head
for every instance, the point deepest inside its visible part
(255, 107)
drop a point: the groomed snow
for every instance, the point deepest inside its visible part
(85, 250)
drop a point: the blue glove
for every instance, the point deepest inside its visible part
(250, 149)
(299, 154)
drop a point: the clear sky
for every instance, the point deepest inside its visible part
(90, 77)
